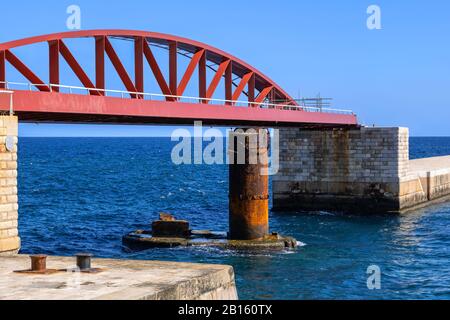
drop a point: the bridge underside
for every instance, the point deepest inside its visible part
(70, 108)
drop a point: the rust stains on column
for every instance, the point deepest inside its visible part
(249, 184)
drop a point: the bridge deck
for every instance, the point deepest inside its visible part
(33, 106)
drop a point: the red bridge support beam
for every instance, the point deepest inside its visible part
(173, 67)
(100, 63)
(216, 80)
(157, 71)
(2, 70)
(229, 83)
(190, 71)
(76, 68)
(202, 77)
(26, 72)
(54, 64)
(263, 94)
(251, 91)
(139, 65)
(241, 86)
(121, 71)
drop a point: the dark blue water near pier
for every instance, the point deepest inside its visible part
(84, 194)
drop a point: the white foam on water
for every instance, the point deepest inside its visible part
(301, 244)
(324, 213)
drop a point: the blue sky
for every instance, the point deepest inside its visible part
(396, 76)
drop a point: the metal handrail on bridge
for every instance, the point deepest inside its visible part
(189, 99)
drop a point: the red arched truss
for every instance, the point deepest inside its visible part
(48, 103)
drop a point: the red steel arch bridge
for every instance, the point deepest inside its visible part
(48, 100)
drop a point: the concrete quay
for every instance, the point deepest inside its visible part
(364, 170)
(430, 178)
(118, 280)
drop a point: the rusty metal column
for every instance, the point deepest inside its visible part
(249, 184)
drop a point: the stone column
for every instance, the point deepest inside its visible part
(9, 236)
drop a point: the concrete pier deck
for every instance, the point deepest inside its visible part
(429, 164)
(427, 182)
(119, 280)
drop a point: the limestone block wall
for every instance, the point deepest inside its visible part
(353, 170)
(9, 235)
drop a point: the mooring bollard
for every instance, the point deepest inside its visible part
(84, 261)
(38, 262)
(249, 184)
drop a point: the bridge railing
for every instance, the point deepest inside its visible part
(10, 86)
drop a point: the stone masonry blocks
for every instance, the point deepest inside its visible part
(9, 234)
(320, 168)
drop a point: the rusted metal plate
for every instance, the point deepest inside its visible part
(42, 272)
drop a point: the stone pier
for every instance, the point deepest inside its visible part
(116, 280)
(364, 170)
(9, 236)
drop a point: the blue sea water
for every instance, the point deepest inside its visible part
(83, 194)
